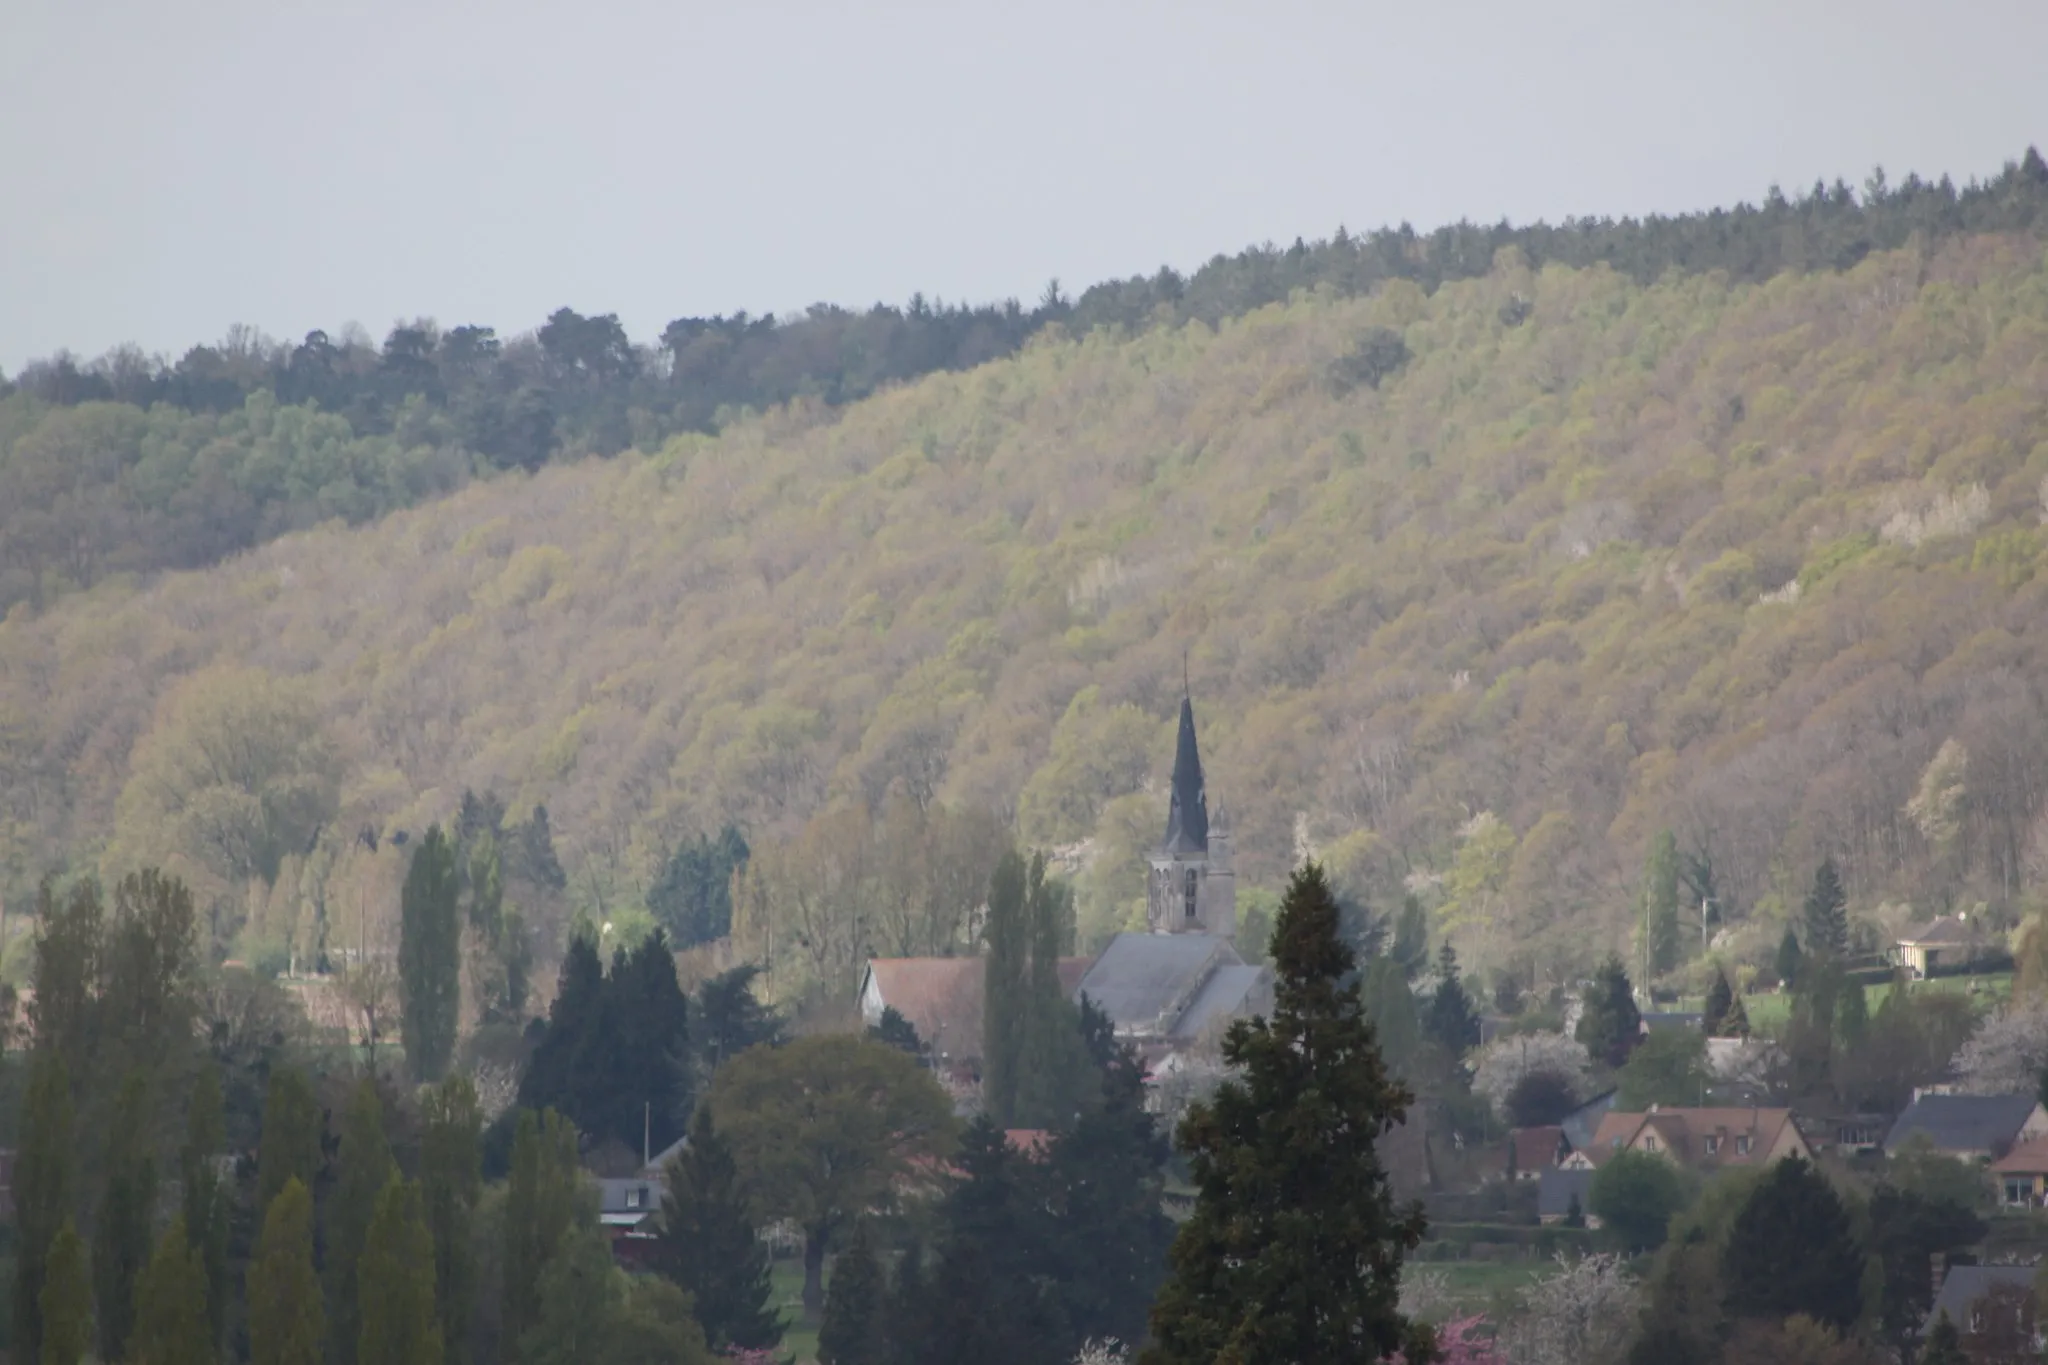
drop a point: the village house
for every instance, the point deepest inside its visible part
(1969, 1127)
(1973, 1295)
(2021, 1175)
(943, 998)
(1949, 941)
(1532, 1151)
(1703, 1139)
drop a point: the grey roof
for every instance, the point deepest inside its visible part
(1948, 931)
(1139, 977)
(1555, 1188)
(1584, 1121)
(628, 1198)
(1667, 1020)
(1966, 1284)
(1187, 812)
(1962, 1123)
(1224, 995)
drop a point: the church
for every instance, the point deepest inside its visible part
(1182, 981)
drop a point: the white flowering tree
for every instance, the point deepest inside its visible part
(1584, 1314)
(2007, 1054)
(1505, 1063)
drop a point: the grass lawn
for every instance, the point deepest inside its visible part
(800, 1342)
(1474, 1284)
(1768, 1010)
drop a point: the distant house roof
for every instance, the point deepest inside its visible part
(1580, 1125)
(1555, 1188)
(2029, 1158)
(1668, 1020)
(1698, 1136)
(1975, 1124)
(941, 997)
(1535, 1149)
(1030, 1142)
(1945, 932)
(1147, 982)
(1965, 1284)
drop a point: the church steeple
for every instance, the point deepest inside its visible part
(1187, 813)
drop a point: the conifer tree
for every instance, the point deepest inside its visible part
(1290, 1190)
(1735, 1024)
(171, 1324)
(121, 1236)
(205, 1201)
(289, 1148)
(1058, 1078)
(42, 1192)
(451, 1181)
(1610, 1024)
(1006, 988)
(365, 1169)
(908, 1314)
(1944, 1345)
(708, 1244)
(399, 1325)
(1790, 961)
(1391, 1006)
(66, 1302)
(1452, 1024)
(1792, 1249)
(286, 1321)
(1411, 938)
(1720, 1000)
(542, 1203)
(430, 956)
(852, 1333)
(1826, 913)
(1659, 927)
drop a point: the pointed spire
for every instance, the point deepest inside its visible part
(1187, 816)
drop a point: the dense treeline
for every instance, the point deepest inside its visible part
(172, 464)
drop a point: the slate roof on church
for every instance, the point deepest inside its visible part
(1187, 810)
(1225, 995)
(1140, 976)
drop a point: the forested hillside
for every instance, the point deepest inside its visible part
(1478, 590)
(134, 463)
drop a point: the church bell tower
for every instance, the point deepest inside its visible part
(1191, 889)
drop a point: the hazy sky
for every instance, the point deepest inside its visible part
(172, 168)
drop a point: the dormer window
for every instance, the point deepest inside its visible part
(1713, 1145)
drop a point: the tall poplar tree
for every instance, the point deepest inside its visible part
(171, 1325)
(451, 1180)
(1006, 988)
(430, 956)
(366, 1168)
(1659, 926)
(66, 1300)
(286, 1321)
(42, 1193)
(289, 1148)
(543, 1198)
(398, 1321)
(205, 1201)
(121, 1234)
(1294, 1249)
(853, 1330)
(709, 1247)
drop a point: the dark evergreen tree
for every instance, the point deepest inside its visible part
(365, 1169)
(1290, 1190)
(1540, 1098)
(853, 1332)
(651, 1084)
(1735, 1024)
(729, 1019)
(897, 1032)
(1792, 1250)
(430, 957)
(567, 1065)
(293, 1127)
(43, 1172)
(532, 856)
(1826, 913)
(398, 1322)
(692, 895)
(451, 1182)
(1944, 1345)
(908, 1319)
(66, 1302)
(1609, 1022)
(1790, 960)
(122, 1235)
(1411, 938)
(1907, 1231)
(708, 1244)
(1451, 1024)
(1059, 1079)
(1720, 1000)
(204, 1195)
(994, 1267)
